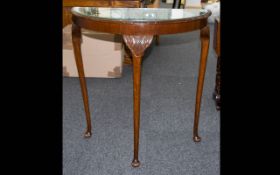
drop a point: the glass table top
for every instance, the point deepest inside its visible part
(138, 14)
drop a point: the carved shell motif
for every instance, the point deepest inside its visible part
(138, 44)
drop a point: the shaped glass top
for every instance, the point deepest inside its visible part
(138, 14)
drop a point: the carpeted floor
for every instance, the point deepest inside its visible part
(168, 96)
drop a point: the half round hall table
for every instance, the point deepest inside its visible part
(138, 26)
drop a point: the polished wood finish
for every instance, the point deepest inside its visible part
(217, 48)
(204, 35)
(127, 56)
(67, 19)
(76, 39)
(137, 45)
(140, 28)
(217, 37)
(129, 3)
(138, 36)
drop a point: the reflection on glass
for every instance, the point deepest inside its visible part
(90, 11)
(138, 14)
(116, 14)
(175, 14)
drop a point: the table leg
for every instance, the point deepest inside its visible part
(157, 39)
(137, 45)
(217, 93)
(204, 36)
(76, 39)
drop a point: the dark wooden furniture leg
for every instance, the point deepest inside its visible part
(137, 45)
(157, 39)
(204, 36)
(217, 93)
(217, 48)
(76, 39)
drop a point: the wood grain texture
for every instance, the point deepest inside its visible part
(204, 35)
(138, 36)
(140, 28)
(76, 39)
(67, 19)
(217, 37)
(137, 45)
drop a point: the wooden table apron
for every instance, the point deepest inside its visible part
(138, 36)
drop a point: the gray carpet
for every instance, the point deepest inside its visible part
(167, 107)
